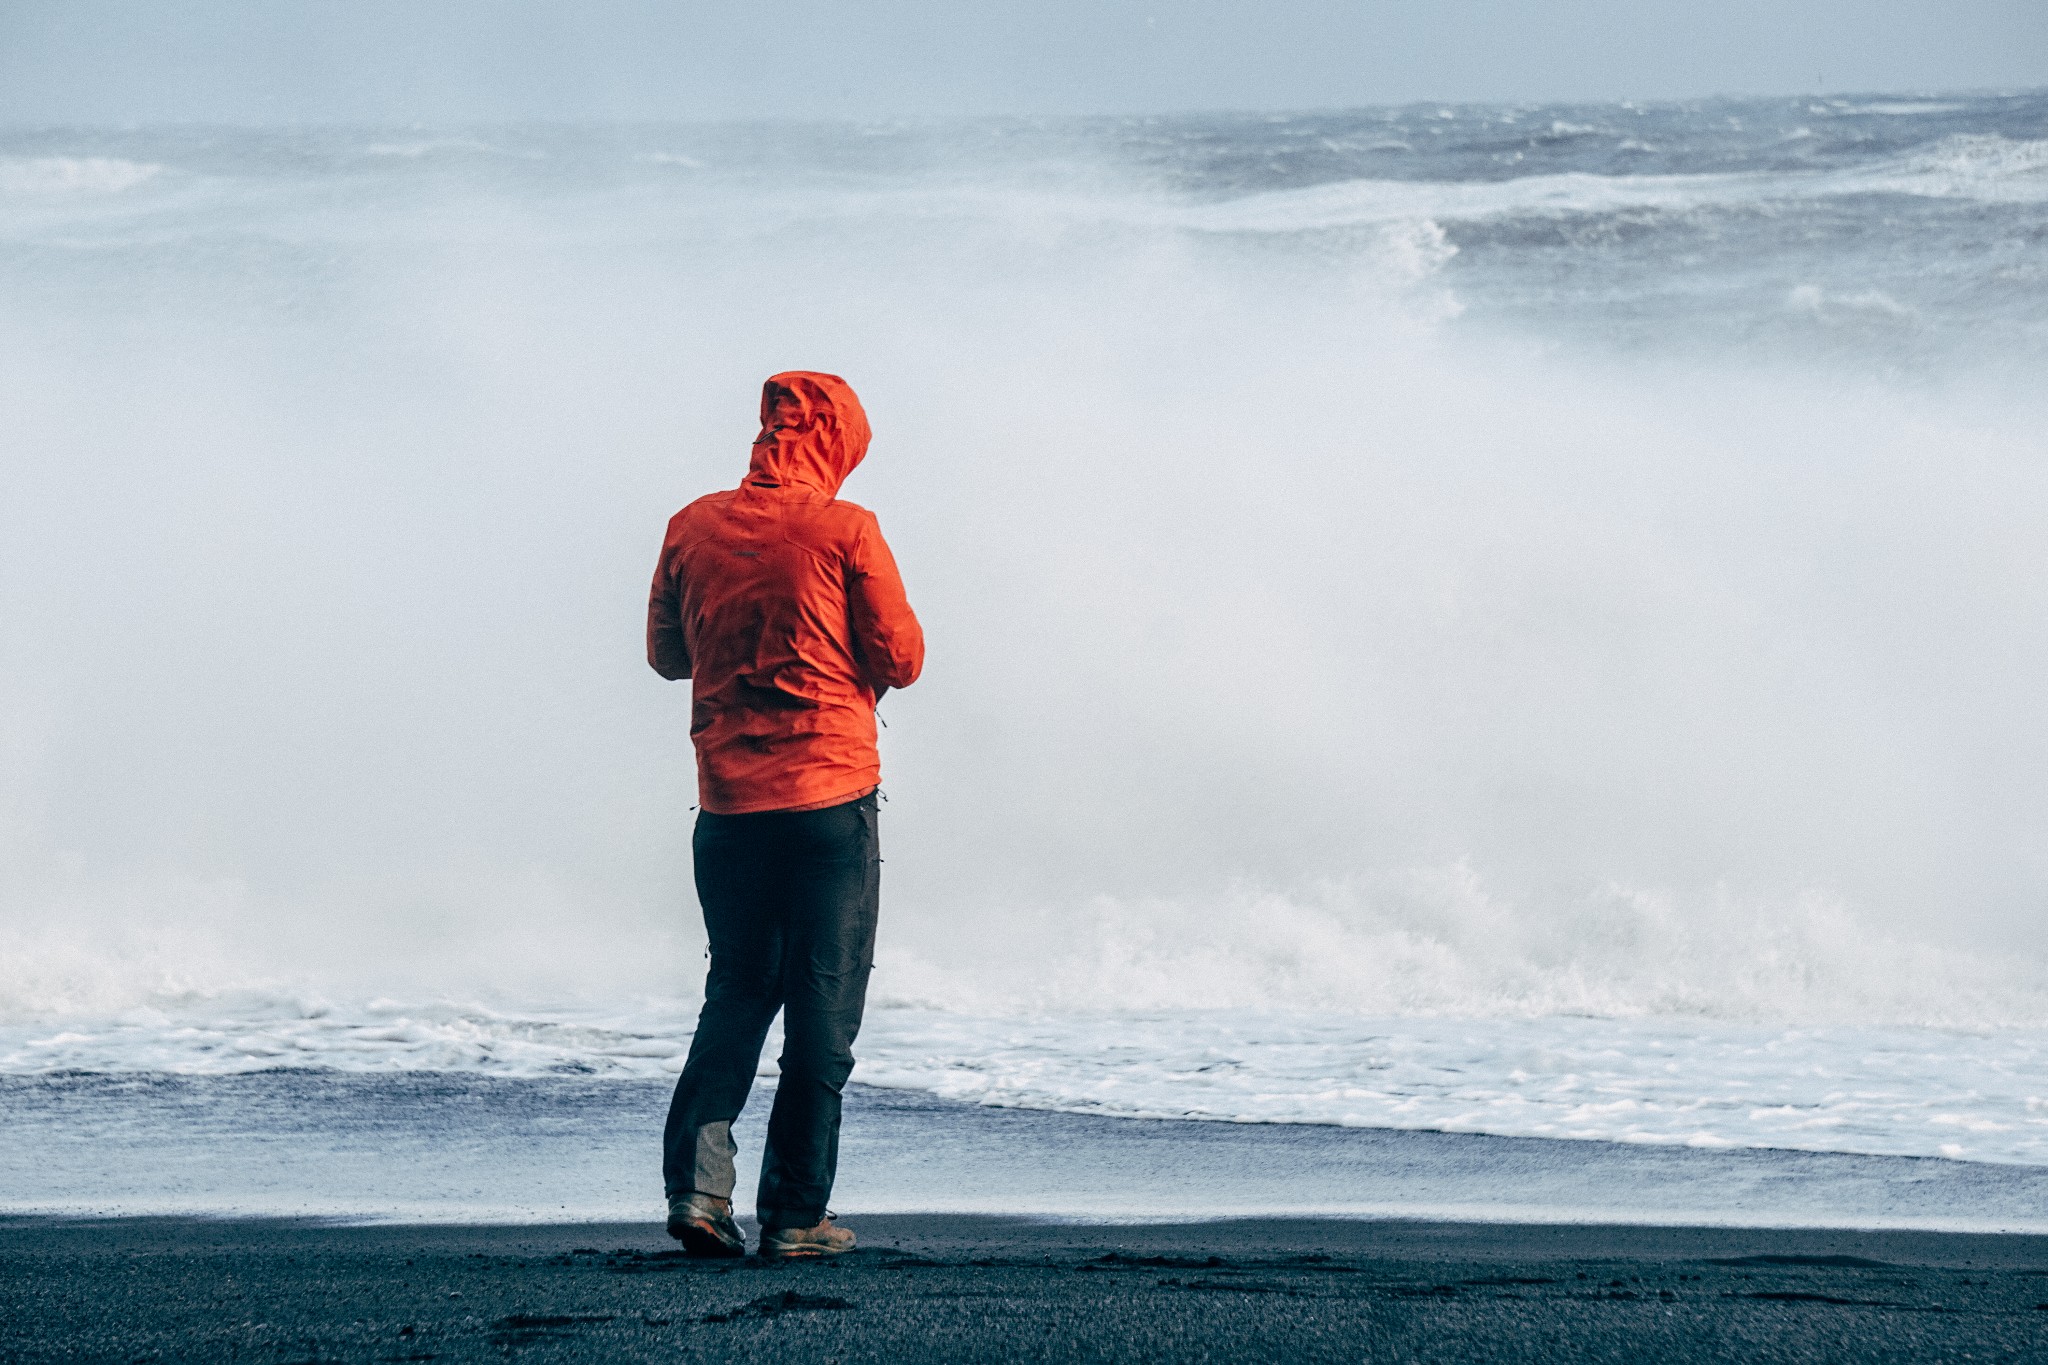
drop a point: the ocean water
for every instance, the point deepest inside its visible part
(455, 1147)
(1508, 620)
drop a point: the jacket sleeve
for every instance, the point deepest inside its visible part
(886, 636)
(668, 650)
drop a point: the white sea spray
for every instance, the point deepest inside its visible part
(1545, 646)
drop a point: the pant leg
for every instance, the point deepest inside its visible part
(737, 887)
(832, 897)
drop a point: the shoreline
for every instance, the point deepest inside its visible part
(974, 1288)
(457, 1148)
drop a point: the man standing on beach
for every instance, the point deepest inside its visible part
(783, 607)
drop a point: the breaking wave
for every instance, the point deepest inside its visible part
(1438, 944)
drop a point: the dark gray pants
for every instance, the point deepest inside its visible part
(790, 900)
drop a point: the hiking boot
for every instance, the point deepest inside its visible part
(703, 1224)
(789, 1244)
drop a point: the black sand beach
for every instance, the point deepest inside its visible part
(1480, 1248)
(962, 1288)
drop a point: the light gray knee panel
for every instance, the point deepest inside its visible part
(715, 1151)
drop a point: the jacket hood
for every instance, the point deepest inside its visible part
(813, 432)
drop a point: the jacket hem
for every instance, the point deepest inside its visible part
(791, 802)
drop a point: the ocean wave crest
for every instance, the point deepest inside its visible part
(1983, 166)
(1974, 165)
(73, 174)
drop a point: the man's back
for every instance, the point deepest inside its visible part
(784, 608)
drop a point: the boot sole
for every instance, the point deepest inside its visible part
(801, 1253)
(701, 1240)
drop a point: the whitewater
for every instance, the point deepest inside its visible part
(1512, 620)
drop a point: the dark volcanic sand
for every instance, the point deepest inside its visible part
(971, 1289)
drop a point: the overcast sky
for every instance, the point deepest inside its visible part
(270, 61)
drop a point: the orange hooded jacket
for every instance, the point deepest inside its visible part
(783, 607)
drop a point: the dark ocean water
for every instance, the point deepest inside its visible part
(1890, 229)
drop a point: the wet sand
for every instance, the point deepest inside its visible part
(963, 1288)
